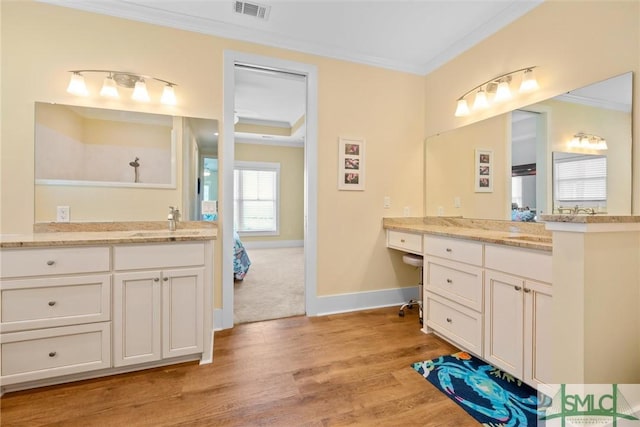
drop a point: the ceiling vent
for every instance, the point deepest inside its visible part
(252, 9)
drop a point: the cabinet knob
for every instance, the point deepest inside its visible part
(401, 240)
(156, 279)
(449, 320)
(52, 354)
(51, 262)
(527, 290)
(517, 288)
(449, 250)
(52, 303)
(449, 281)
(165, 279)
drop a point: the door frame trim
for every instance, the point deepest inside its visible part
(227, 157)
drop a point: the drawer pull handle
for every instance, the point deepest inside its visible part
(165, 279)
(527, 290)
(156, 279)
(449, 320)
(449, 250)
(52, 303)
(449, 281)
(517, 288)
(52, 354)
(51, 262)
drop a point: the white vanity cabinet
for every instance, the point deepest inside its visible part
(55, 312)
(158, 301)
(518, 312)
(453, 290)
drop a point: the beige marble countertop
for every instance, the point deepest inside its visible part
(84, 234)
(523, 235)
(591, 219)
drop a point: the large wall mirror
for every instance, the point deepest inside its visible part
(525, 184)
(114, 165)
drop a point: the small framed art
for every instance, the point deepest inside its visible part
(351, 159)
(484, 171)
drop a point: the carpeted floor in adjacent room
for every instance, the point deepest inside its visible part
(273, 288)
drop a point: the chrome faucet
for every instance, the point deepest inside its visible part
(173, 218)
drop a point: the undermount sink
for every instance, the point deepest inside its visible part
(167, 233)
(535, 239)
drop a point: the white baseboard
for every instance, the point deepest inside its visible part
(271, 244)
(356, 301)
(344, 303)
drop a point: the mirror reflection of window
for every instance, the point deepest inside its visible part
(580, 180)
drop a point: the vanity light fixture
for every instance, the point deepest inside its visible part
(137, 82)
(497, 90)
(588, 141)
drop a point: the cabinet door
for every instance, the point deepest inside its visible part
(537, 333)
(504, 322)
(136, 317)
(182, 311)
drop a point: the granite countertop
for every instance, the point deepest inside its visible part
(591, 219)
(84, 234)
(523, 235)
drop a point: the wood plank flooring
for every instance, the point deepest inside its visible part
(344, 369)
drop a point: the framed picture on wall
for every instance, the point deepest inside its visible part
(484, 171)
(351, 164)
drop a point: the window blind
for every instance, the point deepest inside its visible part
(256, 197)
(581, 179)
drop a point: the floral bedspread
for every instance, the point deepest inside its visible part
(241, 261)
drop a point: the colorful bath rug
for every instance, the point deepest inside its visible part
(491, 396)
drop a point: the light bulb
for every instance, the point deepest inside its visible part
(481, 100)
(529, 81)
(109, 88)
(462, 109)
(503, 92)
(168, 95)
(140, 92)
(77, 85)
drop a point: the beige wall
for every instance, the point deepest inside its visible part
(569, 52)
(291, 161)
(41, 42)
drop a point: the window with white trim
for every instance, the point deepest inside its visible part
(581, 179)
(256, 198)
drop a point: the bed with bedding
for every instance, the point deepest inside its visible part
(241, 261)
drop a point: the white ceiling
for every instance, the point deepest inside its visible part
(413, 36)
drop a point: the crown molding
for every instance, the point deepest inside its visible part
(593, 102)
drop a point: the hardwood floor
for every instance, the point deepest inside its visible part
(346, 369)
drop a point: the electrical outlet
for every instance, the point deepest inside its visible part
(440, 211)
(456, 202)
(62, 214)
(387, 202)
(406, 211)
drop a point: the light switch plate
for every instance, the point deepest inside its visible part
(387, 202)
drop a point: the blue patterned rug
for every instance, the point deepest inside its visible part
(494, 398)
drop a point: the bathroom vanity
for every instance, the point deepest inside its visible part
(82, 304)
(540, 301)
(487, 288)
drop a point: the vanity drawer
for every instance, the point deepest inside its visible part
(407, 242)
(453, 249)
(454, 322)
(133, 257)
(461, 283)
(47, 261)
(529, 263)
(58, 301)
(45, 353)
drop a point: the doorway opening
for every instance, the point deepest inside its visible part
(261, 212)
